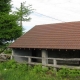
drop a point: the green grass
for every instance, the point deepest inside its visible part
(14, 71)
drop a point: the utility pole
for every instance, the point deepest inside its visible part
(21, 16)
(23, 11)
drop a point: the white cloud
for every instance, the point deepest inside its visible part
(62, 10)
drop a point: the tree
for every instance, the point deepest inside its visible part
(23, 13)
(9, 27)
(5, 6)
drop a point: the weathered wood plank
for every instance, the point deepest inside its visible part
(65, 59)
(57, 66)
(55, 61)
(64, 66)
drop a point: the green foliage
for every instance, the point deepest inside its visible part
(5, 6)
(63, 72)
(1, 78)
(37, 68)
(8, 65)
(72, 74)
(23, 12)
(15, 71)
(3, 47)
(12, 70)
(9, 27)
(8, 51)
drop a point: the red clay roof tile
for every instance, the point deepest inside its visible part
(51, 36)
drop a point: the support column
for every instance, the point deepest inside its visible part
(44, 56)
(55, 64)
(29, 60)
(12, 54)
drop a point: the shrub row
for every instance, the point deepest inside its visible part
(11, 70)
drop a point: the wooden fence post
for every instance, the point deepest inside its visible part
(12, 55)
(29, 60)
(55, 64)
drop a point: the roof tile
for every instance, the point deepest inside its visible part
(51, 36)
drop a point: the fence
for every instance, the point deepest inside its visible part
(72, 63)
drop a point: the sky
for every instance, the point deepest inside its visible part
(50, 11)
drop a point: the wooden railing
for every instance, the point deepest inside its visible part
(56, 62)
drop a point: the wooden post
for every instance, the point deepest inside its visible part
(55, 64)
(29, 60)
(12, 55)
(44, 56)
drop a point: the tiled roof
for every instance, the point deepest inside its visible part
(51, 36)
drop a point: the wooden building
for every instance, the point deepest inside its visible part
(50, 41)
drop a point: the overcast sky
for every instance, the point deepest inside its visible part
(51, 11)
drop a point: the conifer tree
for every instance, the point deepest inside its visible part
(9, 28)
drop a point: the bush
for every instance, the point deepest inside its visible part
(39, 69)
(8, 51)
(12, 70)
(74, 74)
